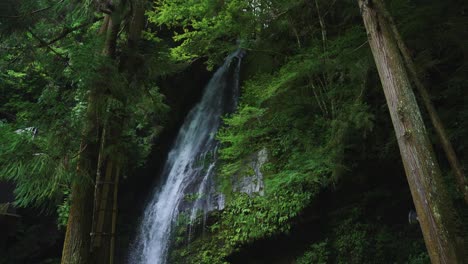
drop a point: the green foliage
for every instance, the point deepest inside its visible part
(352, 243)
(63, 210)
(354, 239)
(213, 28)
(35, 166)
(421, 258)
(253, 218)
(244, 220)
(51, 71)
(316, 254)
(305, 114)
(300, 117)
(35, 95)
(202, 27)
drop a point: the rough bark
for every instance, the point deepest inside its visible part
(77, 239)
(131, 61)
(77, 244)
(79, 248)
(103, 242)
(99, 246)
(433, 205)
(426, 99)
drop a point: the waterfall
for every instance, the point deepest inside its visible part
(189, 167)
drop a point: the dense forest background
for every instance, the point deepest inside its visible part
(95, 91)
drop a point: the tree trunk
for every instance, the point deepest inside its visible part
(100, 235)
(436, 122)
(79, 248)
(103, 242)
(433, 205)
(114, 217)
(77, 244)
(77, 239)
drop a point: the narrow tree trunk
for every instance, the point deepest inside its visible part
(77, 239)
(114, 217)
(432, 203)
(102, 200)
(436, 122)
(101, 239)
(98, 179)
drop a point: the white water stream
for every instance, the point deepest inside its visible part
(189, 167)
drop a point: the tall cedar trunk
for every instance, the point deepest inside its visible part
(106, 211)
(77, 239)
(432, 203)
(76, 247)
(436, 122)
(99, 247)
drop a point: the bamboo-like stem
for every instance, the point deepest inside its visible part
(101, 213)
(322, 27)
(114, 216)
(97, 194)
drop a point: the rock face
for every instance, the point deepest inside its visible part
(252, 184)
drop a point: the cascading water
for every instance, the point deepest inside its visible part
(189, 167)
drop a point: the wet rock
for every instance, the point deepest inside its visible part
(253, 183)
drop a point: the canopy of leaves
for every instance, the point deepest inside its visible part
(52, 58)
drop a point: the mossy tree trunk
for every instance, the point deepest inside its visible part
(77, 239)
(433, 205)
(77, 245)
(431, 110)
(90, 233)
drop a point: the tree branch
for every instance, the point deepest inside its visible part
(47, 46)
(34, 11)
(67, 31)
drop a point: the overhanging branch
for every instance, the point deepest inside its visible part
(34, 11)
(47, 46)
(67, 31)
